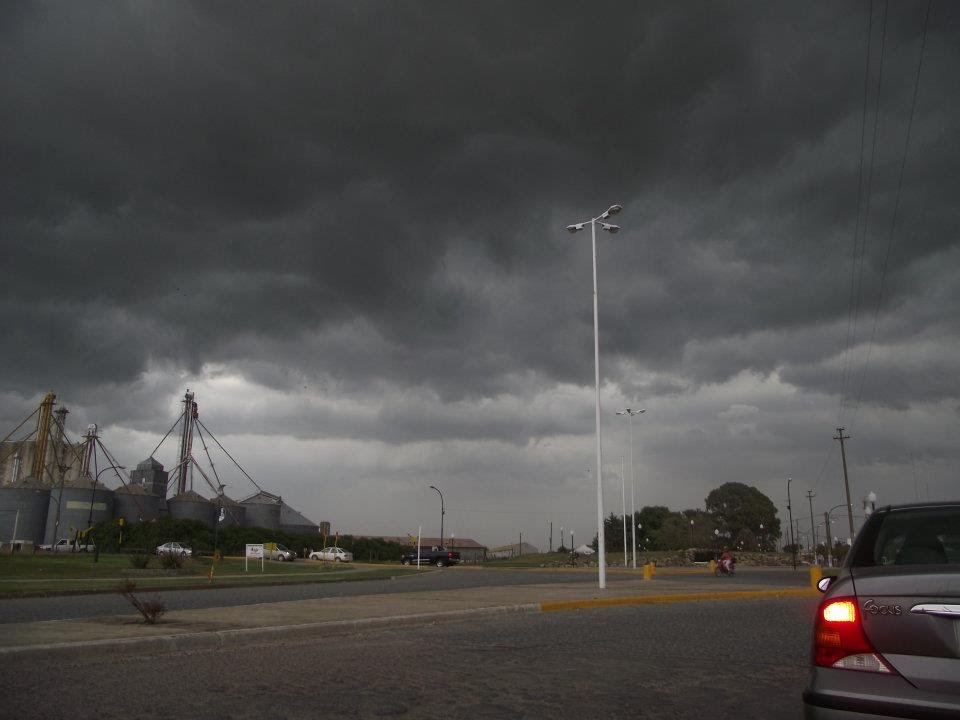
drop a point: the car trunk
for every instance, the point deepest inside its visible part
(909, 618)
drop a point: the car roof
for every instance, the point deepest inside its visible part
(919, 506)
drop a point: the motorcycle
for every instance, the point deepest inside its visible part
(722, 569)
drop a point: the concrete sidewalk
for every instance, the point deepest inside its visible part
(226, 626)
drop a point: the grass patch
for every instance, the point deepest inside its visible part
(32, 575)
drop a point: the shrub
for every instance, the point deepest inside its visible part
(139, 561)
(169, 561)
(151, 610)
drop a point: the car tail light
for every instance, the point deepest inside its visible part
(450, 555)
(839, 640)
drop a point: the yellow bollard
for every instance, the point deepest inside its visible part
(713, 566)
(647, 572)
(816, 572)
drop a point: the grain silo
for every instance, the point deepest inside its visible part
(263, 511)
(190, 505)
(76, 506)
(234, 513)
(135, 504)
(23, 510)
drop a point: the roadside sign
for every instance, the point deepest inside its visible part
(254, 551)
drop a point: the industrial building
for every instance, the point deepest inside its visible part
(50, 487)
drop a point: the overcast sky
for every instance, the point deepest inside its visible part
(341, 225)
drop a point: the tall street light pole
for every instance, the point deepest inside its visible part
(793, 541)
(623, 504)
(633, 481)
(442, 512)
(93, 495)
(601, 542)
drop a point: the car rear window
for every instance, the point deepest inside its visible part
(915, 536)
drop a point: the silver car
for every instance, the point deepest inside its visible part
(332, 554)
(886, 639)
(174, 548)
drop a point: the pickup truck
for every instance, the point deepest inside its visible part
(438, 556)
(63, 545)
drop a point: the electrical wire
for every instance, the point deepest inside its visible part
(851, 335)
(860, 260)
(896, 203)
(212, 437)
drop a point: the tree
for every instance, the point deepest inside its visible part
(652, 518)
(740, 510)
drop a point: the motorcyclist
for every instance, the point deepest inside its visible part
(726, 560)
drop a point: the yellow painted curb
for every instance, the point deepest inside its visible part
(683, 597)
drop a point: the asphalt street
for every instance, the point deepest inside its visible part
(20, 610)
(722, 659)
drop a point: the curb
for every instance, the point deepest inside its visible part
(232, 638)
(682, 597)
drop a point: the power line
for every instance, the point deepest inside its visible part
(896, 202)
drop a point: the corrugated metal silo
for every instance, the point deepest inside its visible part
(263, 510)
(135, 504)
(31, 500)
(75, 502)
(190, 505)
(234, 514)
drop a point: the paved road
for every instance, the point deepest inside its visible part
(86, 606)
(743, 659)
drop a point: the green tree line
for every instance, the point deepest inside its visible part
(111, 536)
(736, 516)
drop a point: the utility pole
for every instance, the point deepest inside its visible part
(793, 541)
(813, 529)
(846, 480)
(551, 536)
(826, 525)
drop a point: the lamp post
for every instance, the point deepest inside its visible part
(633, 478)
(793, 541)
(442, 512)
(93, 492)
(623, 504)
(601, 549)
(219, 519)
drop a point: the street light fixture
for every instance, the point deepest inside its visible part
(601, 542)
(633, 478)
(93, 493)
(442, 512)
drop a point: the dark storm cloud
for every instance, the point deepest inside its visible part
(372, 193)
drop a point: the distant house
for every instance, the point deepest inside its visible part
(470, 550)
(514, 550)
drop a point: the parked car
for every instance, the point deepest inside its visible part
(886, 639)
(333, 554)
(278, 552)
(174, 548)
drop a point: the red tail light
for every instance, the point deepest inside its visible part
(839, 640)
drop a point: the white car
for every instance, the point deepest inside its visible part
(333, 554)
(174, 548)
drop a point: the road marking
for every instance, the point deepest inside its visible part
(684, 597)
